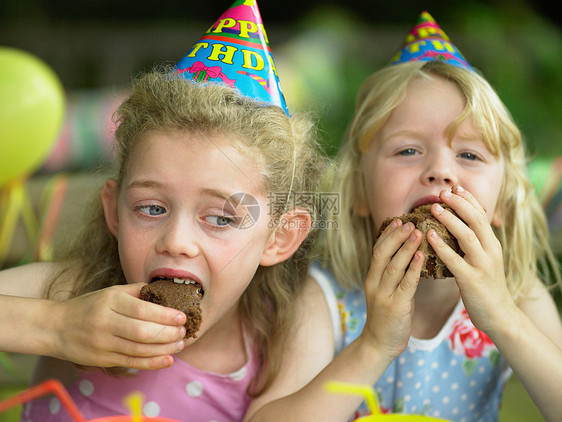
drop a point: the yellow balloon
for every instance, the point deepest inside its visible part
(32, 108)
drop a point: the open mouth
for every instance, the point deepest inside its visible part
(428, 200)
(185, 281)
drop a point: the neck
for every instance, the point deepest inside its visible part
(221, 349)
(434, 302)
(431, 291)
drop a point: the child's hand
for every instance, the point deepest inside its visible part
(390, 287)
(480, 274)
(113, 327)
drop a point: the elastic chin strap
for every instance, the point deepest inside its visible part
(285, 208)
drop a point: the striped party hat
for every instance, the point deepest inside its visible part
(235, 51)
(426, 41)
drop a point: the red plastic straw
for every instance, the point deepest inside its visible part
(47, 387)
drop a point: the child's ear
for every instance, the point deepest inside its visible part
(293, 229)
(109, 196)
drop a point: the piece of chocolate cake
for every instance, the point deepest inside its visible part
(181, 296)
(424, 221)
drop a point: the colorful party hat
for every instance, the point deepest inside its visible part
(426, 41)
(235, 51)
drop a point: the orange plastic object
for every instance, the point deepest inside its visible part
(55, 387)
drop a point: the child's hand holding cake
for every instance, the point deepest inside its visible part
(424, 221)
(183, 295)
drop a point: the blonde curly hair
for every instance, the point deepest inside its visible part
(284, 148)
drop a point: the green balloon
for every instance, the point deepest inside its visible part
(32, 109)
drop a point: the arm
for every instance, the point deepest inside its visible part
(528, 336)
(531, 343)
(22, 310)
(109, 327)
(298, 394)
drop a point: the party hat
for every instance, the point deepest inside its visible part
(426, 41)
(235, 51)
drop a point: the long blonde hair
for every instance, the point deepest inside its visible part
(523, 233)
(284, 148)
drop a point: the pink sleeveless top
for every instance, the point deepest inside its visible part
(179, 392)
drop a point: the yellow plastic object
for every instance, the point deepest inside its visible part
(134, 402)
(376, 415)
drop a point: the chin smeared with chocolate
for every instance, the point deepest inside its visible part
(424, 221)
(183, 295)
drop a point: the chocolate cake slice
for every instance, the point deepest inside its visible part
(424, 221)
(178, 295)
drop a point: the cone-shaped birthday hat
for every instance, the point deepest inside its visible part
(235, 51)
(426, 41)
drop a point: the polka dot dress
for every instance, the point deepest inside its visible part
(180, 392)
(457, 375)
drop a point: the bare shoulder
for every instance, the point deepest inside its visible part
(313, 322)
(313, 298)
(312, 345)
(309, 349)
(540, 308)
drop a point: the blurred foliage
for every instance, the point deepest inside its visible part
(520, 54)
(323, 48)
(516, 50)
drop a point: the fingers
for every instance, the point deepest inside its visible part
(472, 227)
(389, 229)
(140, 328)
(132, 362)
(454, 262)
(145, 350)
(399, 264)
(385, 247)
(146, 311)
(407, 288)
(391, 285)
(145, 322)
(144, 332)
(392, 254)
(467, 239)
(111, 327)
(159, 362)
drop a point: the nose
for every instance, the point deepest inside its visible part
(439, 169)
(178, 238)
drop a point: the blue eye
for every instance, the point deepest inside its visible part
(152, 210)
(219, 220)
(469, 156)
(408, 151)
